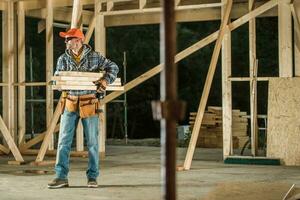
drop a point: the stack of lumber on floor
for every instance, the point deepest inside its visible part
(211, 131)
(71, 80)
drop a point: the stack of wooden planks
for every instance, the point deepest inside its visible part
(72, 80)
(211, 131)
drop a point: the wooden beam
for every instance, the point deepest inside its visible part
(253, 109)
(76, 14)
(207, 86)
(188, 51)
(11, 63)
(10, 141)
(5, 98)
(100, 46)
(253, 74)
(4, 149)
(226, 91)
(285, 39)
(296, 18)
(38, 4)
(49, 66)
(142, 4)
(21, 74)
(36, 139)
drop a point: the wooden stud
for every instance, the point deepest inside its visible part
(49, 66)
(5, 98)
(109, 5)
(142, 4)
(207, 86)
(4, 149)
(100, 46)
(21, 74)
(296, 18)
(253, 110)
(10, 141)
(285, 39)
(253, 82)
(37, 139)
(226, 91)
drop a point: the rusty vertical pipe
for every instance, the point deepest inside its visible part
(168, 93)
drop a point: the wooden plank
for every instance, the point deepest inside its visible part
(38, 4)
(5, 99)
(85, 87)
(248, 78)
(76, 14)
(49, 66)
(4, 149)
(10, 141)
(285, 39)
(37, 139)
(142, 4)
(226, 92)
(81, 74)
(83, 83)
(253, 83)
(253, 110)
(100, 46)
(207, 86)
(283, 120)
(21, 74)
(12, 107)
(188, 51)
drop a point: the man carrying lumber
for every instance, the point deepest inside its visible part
(80, 104)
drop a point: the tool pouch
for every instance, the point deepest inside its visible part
(88, 108)
(71, 104)
(62, 105)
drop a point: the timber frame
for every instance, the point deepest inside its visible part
(99, 14)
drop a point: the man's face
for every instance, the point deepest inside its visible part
(73, 43)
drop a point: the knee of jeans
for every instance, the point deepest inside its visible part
(92, 143)
(64, 142)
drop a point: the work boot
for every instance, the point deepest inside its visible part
(92, 183)
(58, 183)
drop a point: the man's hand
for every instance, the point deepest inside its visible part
(101, 85)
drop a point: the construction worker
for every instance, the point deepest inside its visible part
(80, 104)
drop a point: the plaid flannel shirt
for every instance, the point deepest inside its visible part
(90, 61)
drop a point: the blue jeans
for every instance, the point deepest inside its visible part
(68, 124)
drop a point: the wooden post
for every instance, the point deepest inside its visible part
(10, 141)
(226, 90)
(253, 96)
(207, 86)
(296, 17)
(49, 66)
(100, 46)
(285, 39)
(5, 98)
(77, 23)
(21, 74)
(9, 111)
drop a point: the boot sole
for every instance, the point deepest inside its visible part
(59, 186)
(92, 186)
